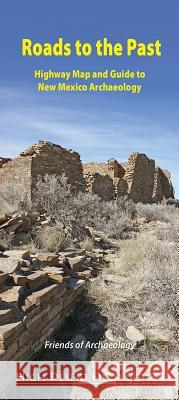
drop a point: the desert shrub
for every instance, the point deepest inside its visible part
(6, 240)
(119, 223)
(53, 195)
(52, 238)
(156, 212)
(57, 197)
(77, 210)
(122, 212)
(127, 205)
(14, 196)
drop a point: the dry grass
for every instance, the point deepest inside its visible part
(141, 282)
(88, 244)
(169, 232)
(157, 212)
(52, 239)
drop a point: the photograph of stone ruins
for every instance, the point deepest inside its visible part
(87, 252)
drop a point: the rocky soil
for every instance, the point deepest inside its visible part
(123, 303)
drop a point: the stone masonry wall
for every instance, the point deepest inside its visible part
(18, 170)
(41, 159)
(37, 293)
(136, 178)
(52, 159)
(140, 177)
(111, 168)
(102, 185)
(120, 187)
(162, 185)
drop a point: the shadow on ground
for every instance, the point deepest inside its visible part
(87, 326)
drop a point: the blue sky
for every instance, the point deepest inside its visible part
(98, 125)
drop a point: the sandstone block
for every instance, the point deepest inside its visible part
(6, 315)
(75, 283)
(34, 332)
(84, 274)
(37, 279)
(41, 296)
(8, 265)
(53, 324)
(47, 333)
(23, 339)
(31, 312)
(4, 217)
(53, 270)
(38, 318)
(69, 299)
(135, 335)
(11, 295)
(25, 266)
(54, 278)
(55, 274)
(47, 258)
(10, 329)
(80, 291)
(55, 311)
(3, 278)
(76, 262)
(72, 253)
(19, 280)
(8, 352)
(17, 254)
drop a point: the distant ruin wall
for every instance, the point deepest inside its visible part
(94, 167)
(102, 185)
(134, 179)
(18, 171)
(111, 168)
(162, 185)
(137, 178)
(41, 159)
(140, 177)
(120, 187)
(55, 160)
